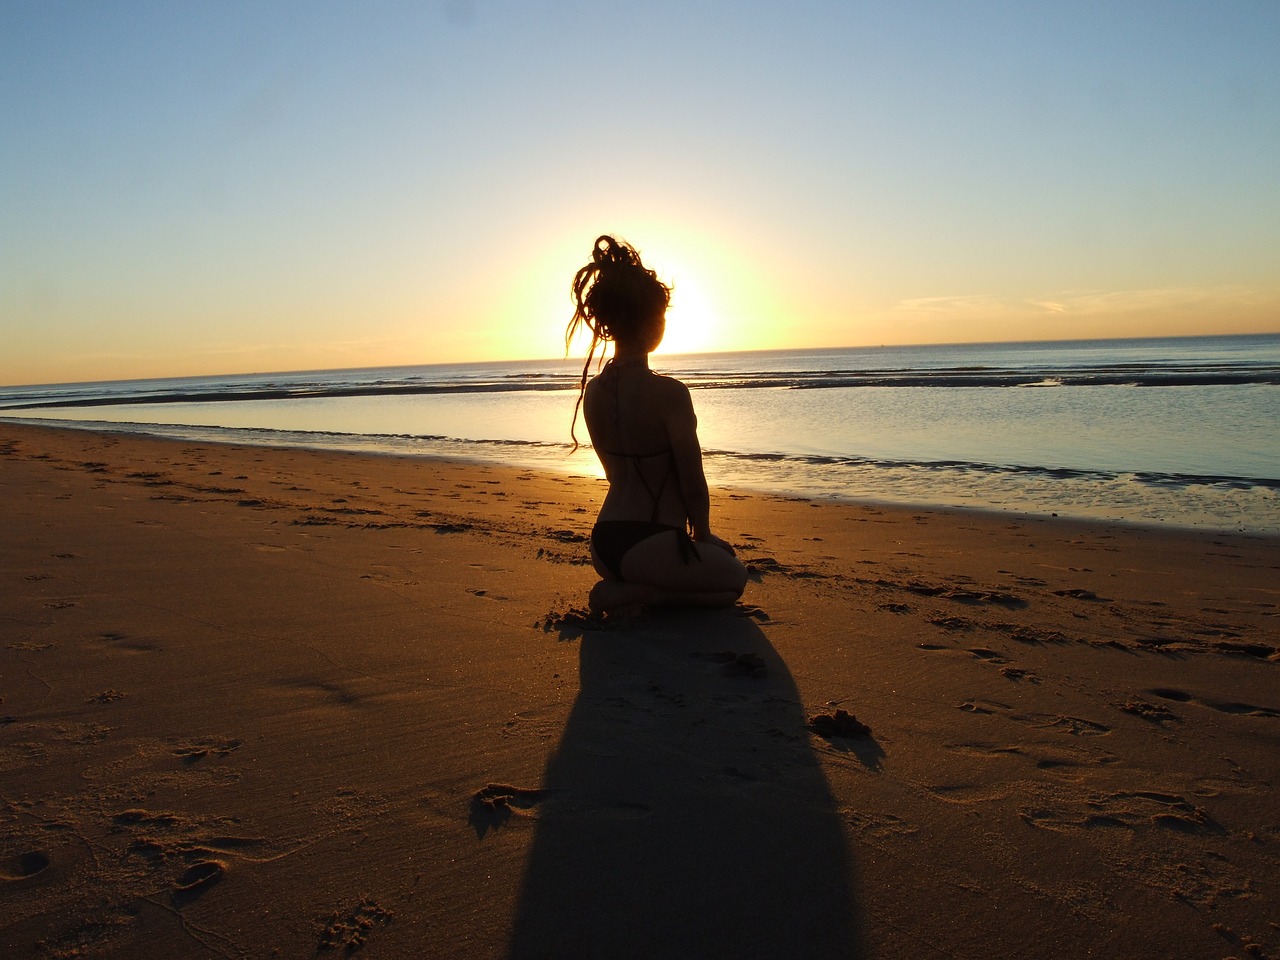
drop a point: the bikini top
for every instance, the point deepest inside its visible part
(655, 493)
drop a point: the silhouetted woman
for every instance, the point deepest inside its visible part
(652, 542)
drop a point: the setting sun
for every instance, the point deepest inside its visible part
(693, 319)
(696, 316)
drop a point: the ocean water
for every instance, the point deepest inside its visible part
(1182, 431)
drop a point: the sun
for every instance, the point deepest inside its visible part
(693, 321)
(708, 295)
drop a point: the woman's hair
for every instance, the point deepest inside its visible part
(615, 297)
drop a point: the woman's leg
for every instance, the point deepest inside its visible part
(614, 594)
(654, 572)
(714, 576)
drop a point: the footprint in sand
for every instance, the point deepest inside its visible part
(986, 655)
(1017, 675)
(193, 750)
(735, 664)
(963, 594)
(1025, 581)
(494, 804)
(1128, 809)
(1222, 706)
(136, 816)
(340, 694)
(394, 575)
(196, 880)
(989, 655)
(25, 866)
(1062, 759)
(1261, 651)
(127, 644)
(878, 826)
(443, 528)
(1074, 726)
(953, 623)
(1148, 711)
(1079, 593)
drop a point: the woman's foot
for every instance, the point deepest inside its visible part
(615, 596)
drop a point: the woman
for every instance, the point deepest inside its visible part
(652, 542)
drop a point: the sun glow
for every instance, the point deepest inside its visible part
(693, 320)
(720, 300)
(695, 323)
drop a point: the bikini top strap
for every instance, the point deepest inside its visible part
(635, 458)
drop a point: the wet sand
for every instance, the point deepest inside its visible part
(265, 703)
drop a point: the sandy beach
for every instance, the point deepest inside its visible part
(280, 703)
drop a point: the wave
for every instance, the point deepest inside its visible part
(341, 386)
(199, 394)
(1124, 374)
(1166, 480)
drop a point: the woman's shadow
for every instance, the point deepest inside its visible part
(684, 813)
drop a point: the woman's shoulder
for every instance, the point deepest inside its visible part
(660, 388)
(659, 381)
(670, 387)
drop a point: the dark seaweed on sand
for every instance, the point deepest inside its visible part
(841, 723)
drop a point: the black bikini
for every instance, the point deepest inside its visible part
(611, 539)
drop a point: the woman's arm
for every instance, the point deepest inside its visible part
(682, 431)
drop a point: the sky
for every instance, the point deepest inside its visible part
(202, 188)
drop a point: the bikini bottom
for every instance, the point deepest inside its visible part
(613, 538)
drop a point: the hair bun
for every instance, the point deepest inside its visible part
(609, 251)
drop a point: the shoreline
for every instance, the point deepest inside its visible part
(267, 701)
(295, 440)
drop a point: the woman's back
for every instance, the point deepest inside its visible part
(628, 411)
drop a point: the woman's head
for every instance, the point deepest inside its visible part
(618, 299)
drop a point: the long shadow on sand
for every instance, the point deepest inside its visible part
(684, 813)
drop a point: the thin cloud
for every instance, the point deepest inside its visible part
(1087, 303)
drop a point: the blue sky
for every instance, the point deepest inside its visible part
(202, 188)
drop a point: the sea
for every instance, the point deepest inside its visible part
(1172, 432)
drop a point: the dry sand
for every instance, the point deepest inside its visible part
(263, 703)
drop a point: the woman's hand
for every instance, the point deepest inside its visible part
(712, 539)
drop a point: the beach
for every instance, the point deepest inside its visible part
(273, 702)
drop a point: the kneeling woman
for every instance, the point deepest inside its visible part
(652, 542)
